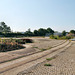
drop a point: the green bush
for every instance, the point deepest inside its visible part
(61, 38)
(19, 41)
(66, 37)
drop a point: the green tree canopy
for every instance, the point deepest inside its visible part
(36, 33)
(42, 32)
(4, 28)
(64, 33)
(50, 30)
(72, 31)
(28, 33)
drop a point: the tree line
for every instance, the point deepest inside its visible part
(5, 31)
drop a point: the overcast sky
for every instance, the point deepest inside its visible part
(34, 14)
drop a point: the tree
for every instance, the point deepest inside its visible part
(4, 28)
(72, 31)
(42, 32)
(50, 30)
(36, 33)
(28, 33)
(1, 29)
(64, 33)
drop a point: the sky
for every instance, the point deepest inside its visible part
(21, 15)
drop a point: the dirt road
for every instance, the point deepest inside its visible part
(16, 66)
(62, 64)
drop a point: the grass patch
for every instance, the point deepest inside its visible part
(43, 49)
(47, 65)
(49, 59)
(35, 47)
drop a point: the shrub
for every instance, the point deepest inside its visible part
(61, 38)
(9, 47)
(52, 36)
(19, 41)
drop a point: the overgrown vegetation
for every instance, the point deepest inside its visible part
(12, 44)
(5, 31)
(61, 37)
(9, 45)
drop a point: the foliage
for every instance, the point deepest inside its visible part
(54, 37)
(4, 28)
(66, 37)
(64, 33)
(36, 33)
(72, 31)
(49, 58)
(19, 41)
(13, 34)
(50, 30)
(9, 45)
(47, 65)
(5, 31)
(62, 37)
(43, 32)
(28, 33)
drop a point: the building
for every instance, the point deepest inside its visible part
(57, 34)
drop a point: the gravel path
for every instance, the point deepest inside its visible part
(62, 64)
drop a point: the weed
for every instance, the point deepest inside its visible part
(47, 65)
(49, 58)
